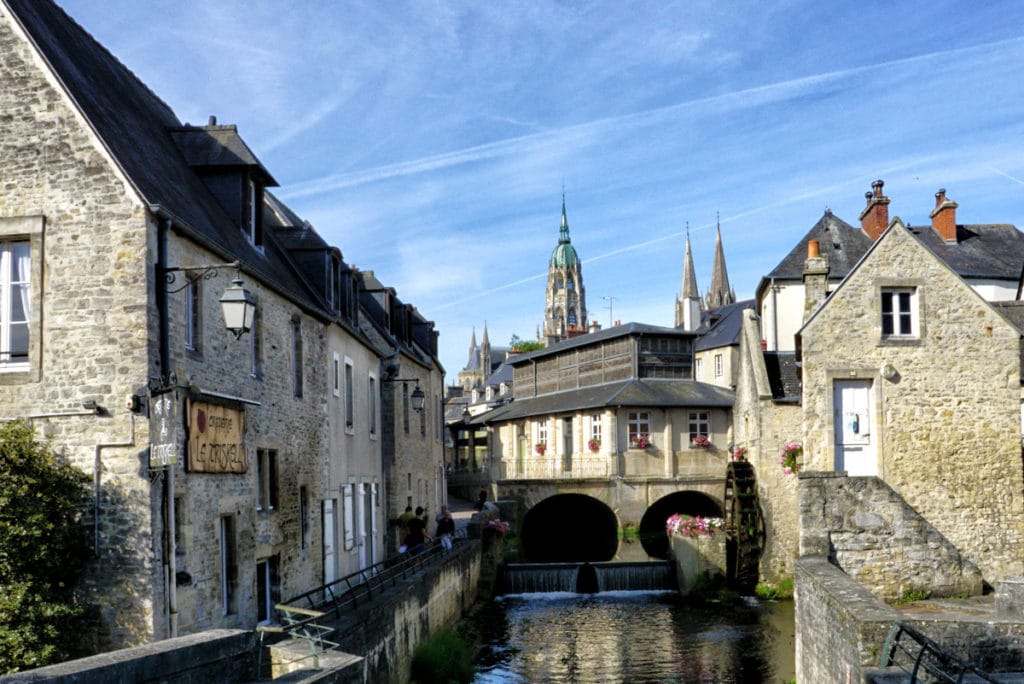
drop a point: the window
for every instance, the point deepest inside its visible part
(698, 368)
(572, 313)
(268, 589)
(595, 427)
(193, 314)
(266, 476)
(700, 425)
(899, 312)
(296, 356)
(228, 565)
(542, 432)
(350, 399)
(336, 376)
(372, 408)
(252, 223)
(405, 407)
(15, 303)
(718, 365)
(639, 429)
(256, 345)
(304, 516)
(423, 417)
(331, 270)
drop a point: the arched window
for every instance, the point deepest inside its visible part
(558, 283)
(572, 315)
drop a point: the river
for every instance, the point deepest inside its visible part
(633, 636)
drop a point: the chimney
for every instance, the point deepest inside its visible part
(875, 217)
(944, 216)
(815, 278)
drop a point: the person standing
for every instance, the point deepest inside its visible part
(403, 524)
(416, 541)
(445, 528)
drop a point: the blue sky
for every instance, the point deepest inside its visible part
(430, 141)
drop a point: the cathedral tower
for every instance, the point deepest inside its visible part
(688, 305)
(719, 294)
(565, 308)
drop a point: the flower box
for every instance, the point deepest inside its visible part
(594, 445)
(640, 441)
(541, 448)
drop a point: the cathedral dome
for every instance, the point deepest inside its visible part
(564, 256)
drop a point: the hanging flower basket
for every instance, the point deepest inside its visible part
(701, 441)
(594, 445)
(541, 448)
(790, 457)
(692, 526)
(640, 441)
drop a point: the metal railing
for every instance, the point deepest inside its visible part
(923, 660)
(557, 467)
(302, 616)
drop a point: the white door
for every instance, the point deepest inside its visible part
(854, 441)
(361, 524)
(330, 541)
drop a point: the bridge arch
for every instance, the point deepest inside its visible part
(652, 524)
(569, 527)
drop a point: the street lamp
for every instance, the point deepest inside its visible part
(239, 308)
(416, 398)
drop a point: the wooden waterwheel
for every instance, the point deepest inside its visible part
(744, 526)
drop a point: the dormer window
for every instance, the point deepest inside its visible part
(252, 222)
(331, 281)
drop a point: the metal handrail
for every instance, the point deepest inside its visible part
(930, 659)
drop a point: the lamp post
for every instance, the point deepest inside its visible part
(417, 397)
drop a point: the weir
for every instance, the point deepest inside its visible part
(587, 578)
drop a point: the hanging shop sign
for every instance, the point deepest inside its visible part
(163, 449)
(215, 443)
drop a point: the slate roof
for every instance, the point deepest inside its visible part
(783, 376)
(138, 129)
(843, 244)
(722, 326)
(654, 393)
(992, 251)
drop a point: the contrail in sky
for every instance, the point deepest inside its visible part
(738, 99)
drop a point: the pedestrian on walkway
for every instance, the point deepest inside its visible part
(416, 541)
(445, 528)
(403, 524)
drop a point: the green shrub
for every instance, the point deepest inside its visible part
(768, 592)
(443, 659)
(909, 597)
(43, 550)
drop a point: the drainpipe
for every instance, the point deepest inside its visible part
(163, 227)
(96, 480)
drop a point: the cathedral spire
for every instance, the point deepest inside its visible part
(485, 354)
(563, 231)
(720, 293)
(472, 347)
(565, 308)
(688, 305)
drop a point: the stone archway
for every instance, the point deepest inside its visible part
(652, 525)
(567, 528)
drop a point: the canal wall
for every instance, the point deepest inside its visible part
(216, 655)
(696, 556)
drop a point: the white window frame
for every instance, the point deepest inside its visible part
(902, 316)
(7, 287)
(542, 432)
(350, 397)
(719, 366)
(348, 515)
(698, 368)
(637, 423)
(371, 394)
(699, 424)
(336, 375)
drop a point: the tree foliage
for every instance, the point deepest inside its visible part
(43, 550)
(518, 345)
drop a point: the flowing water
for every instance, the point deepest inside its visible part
(633, 636)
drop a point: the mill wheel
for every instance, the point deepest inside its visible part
(744, 526)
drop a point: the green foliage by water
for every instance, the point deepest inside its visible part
(443, 659)
(767, 592)
(43, 549)
(910, 597)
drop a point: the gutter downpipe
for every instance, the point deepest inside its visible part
(170, 533)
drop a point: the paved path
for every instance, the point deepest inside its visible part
(461, 510)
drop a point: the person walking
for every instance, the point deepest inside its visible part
(445, 528)
(403, 524)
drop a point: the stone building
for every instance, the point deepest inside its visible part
(565, 301)
(222, 462)
(911, 376)
(774, 384)
(618, 402)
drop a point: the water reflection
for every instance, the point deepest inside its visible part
(633, 637)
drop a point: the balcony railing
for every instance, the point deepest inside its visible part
(556, 468)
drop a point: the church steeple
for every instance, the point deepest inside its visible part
(720, 293)
(688, 305)
(485, 355)
(565, 309)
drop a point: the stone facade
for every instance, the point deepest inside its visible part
(944, 402)
(131, 375)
